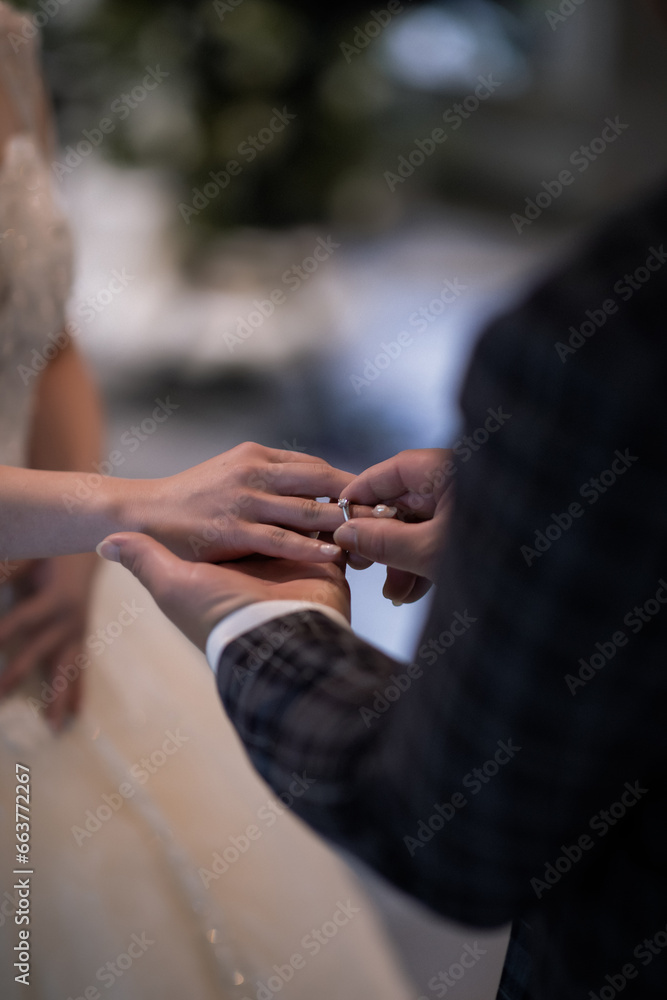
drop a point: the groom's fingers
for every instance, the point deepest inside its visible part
(405, 588)
(153, 565)
(410, 473)
(408, 547)
(195, 596)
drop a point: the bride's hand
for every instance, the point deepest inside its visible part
(45, 630)
(248, 500)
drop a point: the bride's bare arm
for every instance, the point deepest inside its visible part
(249, 499)
(35, 522)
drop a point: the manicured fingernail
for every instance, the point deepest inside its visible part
(109, 551)
(330, 550)
(383, 510)
(397, 604)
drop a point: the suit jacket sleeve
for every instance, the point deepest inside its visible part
(535, 697)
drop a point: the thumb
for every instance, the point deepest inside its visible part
(393, 543)
(148, 560)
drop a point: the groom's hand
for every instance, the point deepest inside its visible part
(417, 483)
(196, 596)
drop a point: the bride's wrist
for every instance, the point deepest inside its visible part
(131, 505)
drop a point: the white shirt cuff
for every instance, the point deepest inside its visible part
(252, 616)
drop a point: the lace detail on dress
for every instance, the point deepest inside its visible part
(35, 277)
(35, 243)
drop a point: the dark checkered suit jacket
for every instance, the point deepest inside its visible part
(517, 768)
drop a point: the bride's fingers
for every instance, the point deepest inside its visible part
(283, 456)
(283, 544)
(29, 614)
(307, 480)
(306, 515)
(29, 657)
(67, 693)
(77, 690)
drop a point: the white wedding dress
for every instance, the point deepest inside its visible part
(164, 869)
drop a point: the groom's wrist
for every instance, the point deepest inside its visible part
(251, 616)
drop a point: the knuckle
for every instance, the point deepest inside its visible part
(312, 511)
(245, 448)
(244, 499)
(170, 581)
(279, 537)
(235, 537)
(243, 471)
(198, 574)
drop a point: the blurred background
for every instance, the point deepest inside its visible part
(293, 220)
